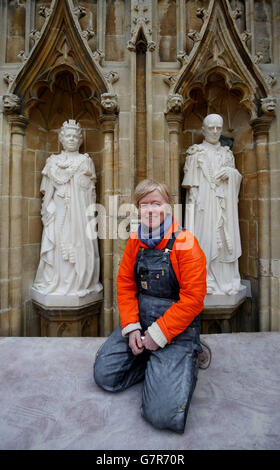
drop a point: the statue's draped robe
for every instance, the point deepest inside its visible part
(216, 223)
(69, 260)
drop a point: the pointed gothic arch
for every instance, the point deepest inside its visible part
(219, 48)
(61, 47)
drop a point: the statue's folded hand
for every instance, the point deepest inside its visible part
(223, 174)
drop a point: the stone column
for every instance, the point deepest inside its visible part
(261, 127)
(107, 126)
(18, 125)
(149, 111)
(174, 119)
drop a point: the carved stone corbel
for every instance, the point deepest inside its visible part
(109, 103)
(11, 104)
(174, 103)
(268, 105)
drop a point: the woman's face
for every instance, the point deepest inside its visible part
(153, 209)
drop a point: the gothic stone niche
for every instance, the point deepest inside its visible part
(62, 101)
(216, 97)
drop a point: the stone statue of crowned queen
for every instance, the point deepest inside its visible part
(69, 268)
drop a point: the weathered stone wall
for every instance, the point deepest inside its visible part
(144, 52)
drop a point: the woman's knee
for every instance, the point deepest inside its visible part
(165, 417)
(169, 410)
(102, 375)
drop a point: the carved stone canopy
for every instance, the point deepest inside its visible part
(220, 50)
(61, 50)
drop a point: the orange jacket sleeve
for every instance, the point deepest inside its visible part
(126, 285)
(189, 264)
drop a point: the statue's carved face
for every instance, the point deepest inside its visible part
(71, 140)
(212, 129)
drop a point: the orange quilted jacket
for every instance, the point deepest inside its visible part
(189, 264)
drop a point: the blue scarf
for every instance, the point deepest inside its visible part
(152, 239)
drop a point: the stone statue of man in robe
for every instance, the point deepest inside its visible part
(213, 184)
(69, 260)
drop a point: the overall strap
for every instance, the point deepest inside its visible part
(171, 241)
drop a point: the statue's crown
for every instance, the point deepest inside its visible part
(71, 124)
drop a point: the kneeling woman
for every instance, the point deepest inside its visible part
(161, 286)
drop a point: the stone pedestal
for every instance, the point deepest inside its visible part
(219, 319)
(222, 300)
(69, 321)
(60, 301)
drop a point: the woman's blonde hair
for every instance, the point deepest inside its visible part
(147, 186)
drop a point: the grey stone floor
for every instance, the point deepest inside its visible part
(48, 399)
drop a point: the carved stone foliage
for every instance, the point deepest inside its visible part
(141, 19)
(61, 62)
(219, 51)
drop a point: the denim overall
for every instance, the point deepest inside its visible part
(170, 373)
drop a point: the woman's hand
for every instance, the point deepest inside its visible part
(149, 343)
(135, 342)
